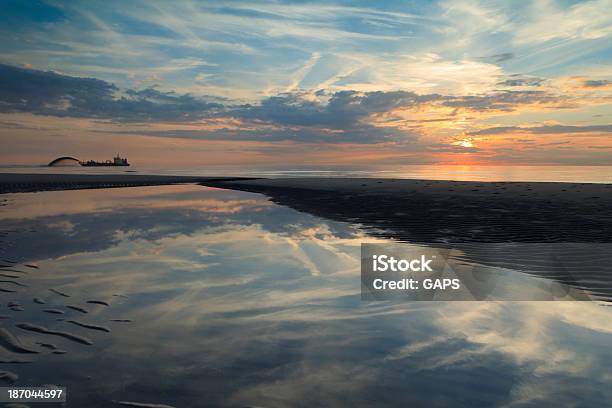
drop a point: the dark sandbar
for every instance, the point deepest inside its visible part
(450, 211)
(18, 183)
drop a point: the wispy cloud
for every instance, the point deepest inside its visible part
(548, 21)
(546, 129)
(597, 83)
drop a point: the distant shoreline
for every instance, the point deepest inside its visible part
(32, 182)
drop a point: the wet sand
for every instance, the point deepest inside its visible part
(449, 211)
(433, 212)
(19, 183)
(115, 320)
(402, 209)
(467, 214)
(12, 344)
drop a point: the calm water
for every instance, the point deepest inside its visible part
(230, 300)
(578, 174)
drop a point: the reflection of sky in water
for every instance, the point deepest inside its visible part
(236, 301)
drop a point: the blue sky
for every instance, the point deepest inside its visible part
(390, 75)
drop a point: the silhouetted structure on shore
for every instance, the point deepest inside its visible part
(117, 161)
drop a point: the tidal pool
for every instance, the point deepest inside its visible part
(189, 296)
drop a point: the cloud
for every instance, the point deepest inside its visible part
(50, 93)
(345, 116)
(597, 83)
(421, 72)
(469, 18)
(346, 108)
(518, 80)
(505, 56)
(293, 115)
(549, 21)
(502, 100)
(288, 116)
(343, 108)
(546, 129)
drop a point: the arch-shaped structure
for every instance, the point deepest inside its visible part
(64, 159)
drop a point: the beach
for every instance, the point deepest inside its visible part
(450, 211)
(30, 182)
(402, 209)
(557, 231)
(164, 295)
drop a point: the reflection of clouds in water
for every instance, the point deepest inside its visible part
(538, 333)
(71, 202)
(92, 220)
(336, 384)
(62, 225)
(557, 344)
(217, 275)
(234, 257)
(262, 305)
(552, 362)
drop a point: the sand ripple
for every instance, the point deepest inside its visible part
(96, 302)
(11, 343)
(77, 308)
(8, 376)
(90, 326)
(44, 330)
(57, 292)
(53, 311)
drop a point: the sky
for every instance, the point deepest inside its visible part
(192, 83)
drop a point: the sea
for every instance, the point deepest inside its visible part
(573, 174)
